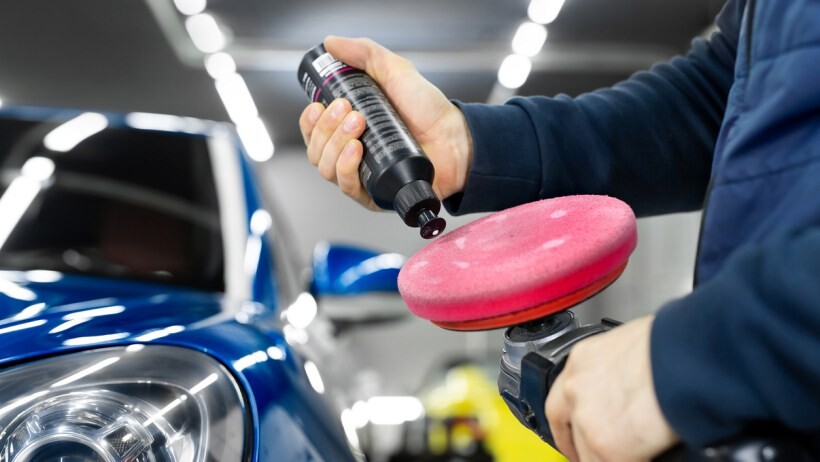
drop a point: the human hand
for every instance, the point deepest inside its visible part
(331, 134)
(602, 407)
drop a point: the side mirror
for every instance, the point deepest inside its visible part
(354, 285)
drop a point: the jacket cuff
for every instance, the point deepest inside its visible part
(498, 178)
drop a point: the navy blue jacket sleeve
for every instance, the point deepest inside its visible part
(742, 349)
(648, 140)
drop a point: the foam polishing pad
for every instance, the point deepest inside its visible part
(520, 264)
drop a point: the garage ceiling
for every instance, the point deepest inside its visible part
(135, 55)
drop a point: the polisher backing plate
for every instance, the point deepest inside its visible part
(521, 263)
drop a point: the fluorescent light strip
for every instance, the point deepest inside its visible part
(514, 71)
(231, 87)
(314, 377)
(190, 7)
(21, 193)
(205, 33)
(86, 372)
(220, 65)
(529, 39)
(68, 135)
(94, 312)
(206, 382)
(394, 410)
(527, 42)
(544, 11)
(23, 326)
(256, 139)
(164, 122)
(21, 401)
(30, 312)
(16, 291)
(247, 361)
(160, 333)
(303, 311)
(81, 341)
(237, 98)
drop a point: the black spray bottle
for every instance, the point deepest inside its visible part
(394, 170)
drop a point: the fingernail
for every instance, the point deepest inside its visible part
(314, 113)
(350, 149)
(351, 123)
(337, 109)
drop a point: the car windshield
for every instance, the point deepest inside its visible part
(123, 203)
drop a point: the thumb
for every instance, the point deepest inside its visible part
(364, 53)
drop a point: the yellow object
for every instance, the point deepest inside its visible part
(468, 392)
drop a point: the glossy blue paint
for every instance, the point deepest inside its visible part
(349, 270)
(290, 417)
(48, 314)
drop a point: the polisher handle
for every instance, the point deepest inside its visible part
(538, 374)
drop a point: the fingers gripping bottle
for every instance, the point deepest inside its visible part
(394, 170)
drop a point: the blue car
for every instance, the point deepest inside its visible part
(150, 309)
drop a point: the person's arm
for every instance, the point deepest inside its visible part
(648, 140)
(741, 350)
(744, 347)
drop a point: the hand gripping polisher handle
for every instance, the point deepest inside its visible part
(535, 354)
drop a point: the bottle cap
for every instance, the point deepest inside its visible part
(431, 225)
(418, 206)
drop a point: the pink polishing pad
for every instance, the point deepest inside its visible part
(520, 264)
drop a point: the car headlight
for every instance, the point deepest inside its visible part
(137, 403)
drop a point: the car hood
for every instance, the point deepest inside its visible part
(43, 313)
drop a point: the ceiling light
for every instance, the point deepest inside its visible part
(529, 39)
(205, 33)
(394, 410)
(514, 71)
(220, 65)
(165, 122)
(15, 291)
(236, 98)
(43, 276)
(68, 135)
(23, 326)
(21, 192)
(94, 368)
(190, 7)
(94, 312)
(302, 312)
(314, 377)
(276, 353)
(256, 139)
(38, 169)
(30, 311)
(544, 11)
(261, 222)
(257, 357)
(159, 333)
(91, 340)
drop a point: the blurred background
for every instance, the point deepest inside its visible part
(236, 60)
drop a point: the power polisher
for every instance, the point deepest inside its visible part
(521, 269)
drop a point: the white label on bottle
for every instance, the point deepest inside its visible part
(327, 64)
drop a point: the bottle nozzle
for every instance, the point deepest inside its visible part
(430, 224)
(417, 205)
